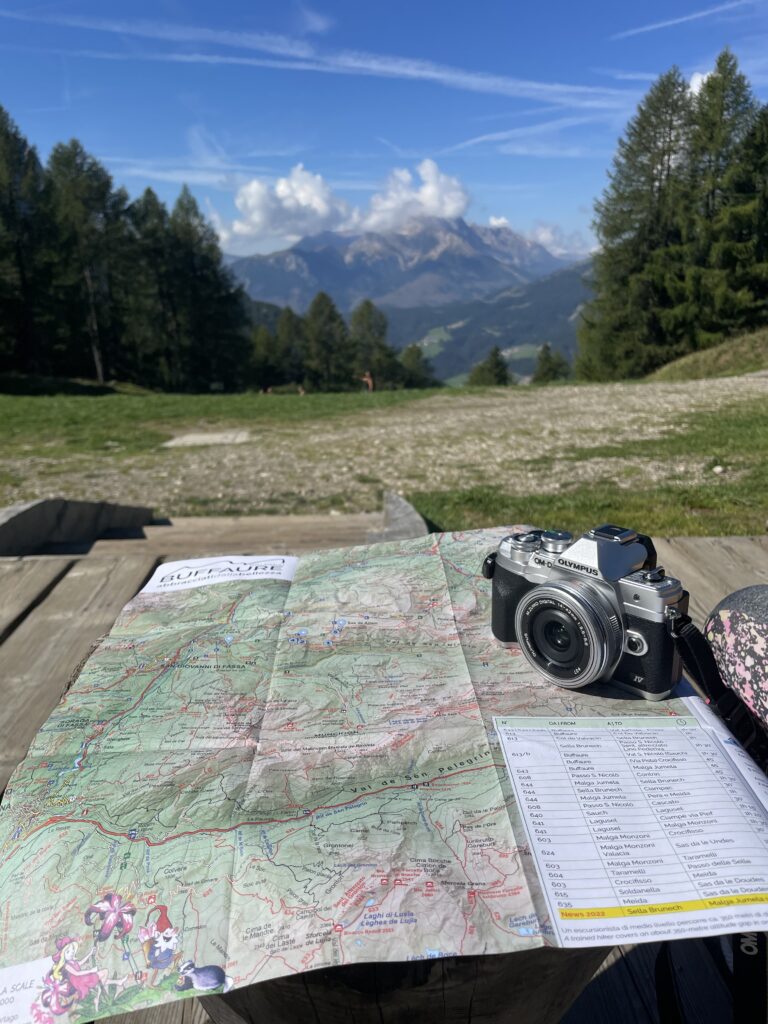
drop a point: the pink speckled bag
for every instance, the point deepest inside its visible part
(737, 631)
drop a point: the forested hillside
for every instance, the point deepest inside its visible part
(683, 227)
(97, 286)
(94, 285)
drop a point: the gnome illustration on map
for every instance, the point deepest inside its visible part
(159, 940)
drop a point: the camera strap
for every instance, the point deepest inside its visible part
(745, 970)
(704, 674)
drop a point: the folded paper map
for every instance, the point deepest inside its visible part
(273, 765)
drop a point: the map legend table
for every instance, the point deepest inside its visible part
(641, 828)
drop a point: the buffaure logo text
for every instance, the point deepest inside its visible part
(226, 567)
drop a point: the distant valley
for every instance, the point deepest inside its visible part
(519, 320)
(456, 289)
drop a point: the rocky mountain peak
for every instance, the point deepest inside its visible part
(427, 261)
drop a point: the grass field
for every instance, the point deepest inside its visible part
(740, 355)
(139, 421)
(674, 458)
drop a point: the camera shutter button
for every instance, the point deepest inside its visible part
(556, 541)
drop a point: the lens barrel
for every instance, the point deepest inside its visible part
(569, 632)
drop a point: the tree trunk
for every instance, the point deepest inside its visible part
(93, 329)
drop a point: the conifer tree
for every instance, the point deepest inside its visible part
(724, 112)
(82, 205)
(26, 254)
(634, 324)
(745, 221)
(491, 371)
(368, 332)
(550, 366)
(417, 369)
(154, 331)
(330, 356)
(290, 345)
(211, 307)
(265, 370)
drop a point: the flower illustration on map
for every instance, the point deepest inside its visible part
(70, 980)
(114, 913)
(39, 1015)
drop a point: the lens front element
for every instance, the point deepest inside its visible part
(556, 636)
(568, 632)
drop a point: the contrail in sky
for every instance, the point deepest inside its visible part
(732, 5)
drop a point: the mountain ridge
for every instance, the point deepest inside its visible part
(430, 261)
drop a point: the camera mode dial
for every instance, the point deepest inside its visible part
(529, 541)
(556, 541)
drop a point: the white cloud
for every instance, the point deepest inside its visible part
(300, 204)
(304, 203)
(694, 16)
(560, 242)
(438, 195)
(698, 79)
(498, 222)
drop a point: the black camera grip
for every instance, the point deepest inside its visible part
(508, 588)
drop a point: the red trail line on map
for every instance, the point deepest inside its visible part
(63, 819)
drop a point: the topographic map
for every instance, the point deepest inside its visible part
(255, 775)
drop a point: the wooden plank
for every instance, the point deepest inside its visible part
(184, 1011)
(713, 567)
(690, 564)
(198, 536)
(39, 657)
(23, 585)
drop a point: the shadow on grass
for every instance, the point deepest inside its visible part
(22, 384)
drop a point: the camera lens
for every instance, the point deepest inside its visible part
(569, 632)
(555, 636)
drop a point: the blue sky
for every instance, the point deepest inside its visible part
(289, 118)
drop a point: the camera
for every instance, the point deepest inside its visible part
(596, 608)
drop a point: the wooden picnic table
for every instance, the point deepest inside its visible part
(55, 605)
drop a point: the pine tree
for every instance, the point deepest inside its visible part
(491, 372)
(746, 222)
(154, 328)
(290, 345)
(417, 369)
(82, 205)
(724, 113)
(27, 248)
(368, 331)
(550, 366)
(265, 371)
(635, 324)
(211, 308)
(330, 355)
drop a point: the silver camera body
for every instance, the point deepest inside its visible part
(596, 608)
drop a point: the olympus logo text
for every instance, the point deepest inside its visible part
(579, 568)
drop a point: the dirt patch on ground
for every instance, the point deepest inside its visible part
(516, 438)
